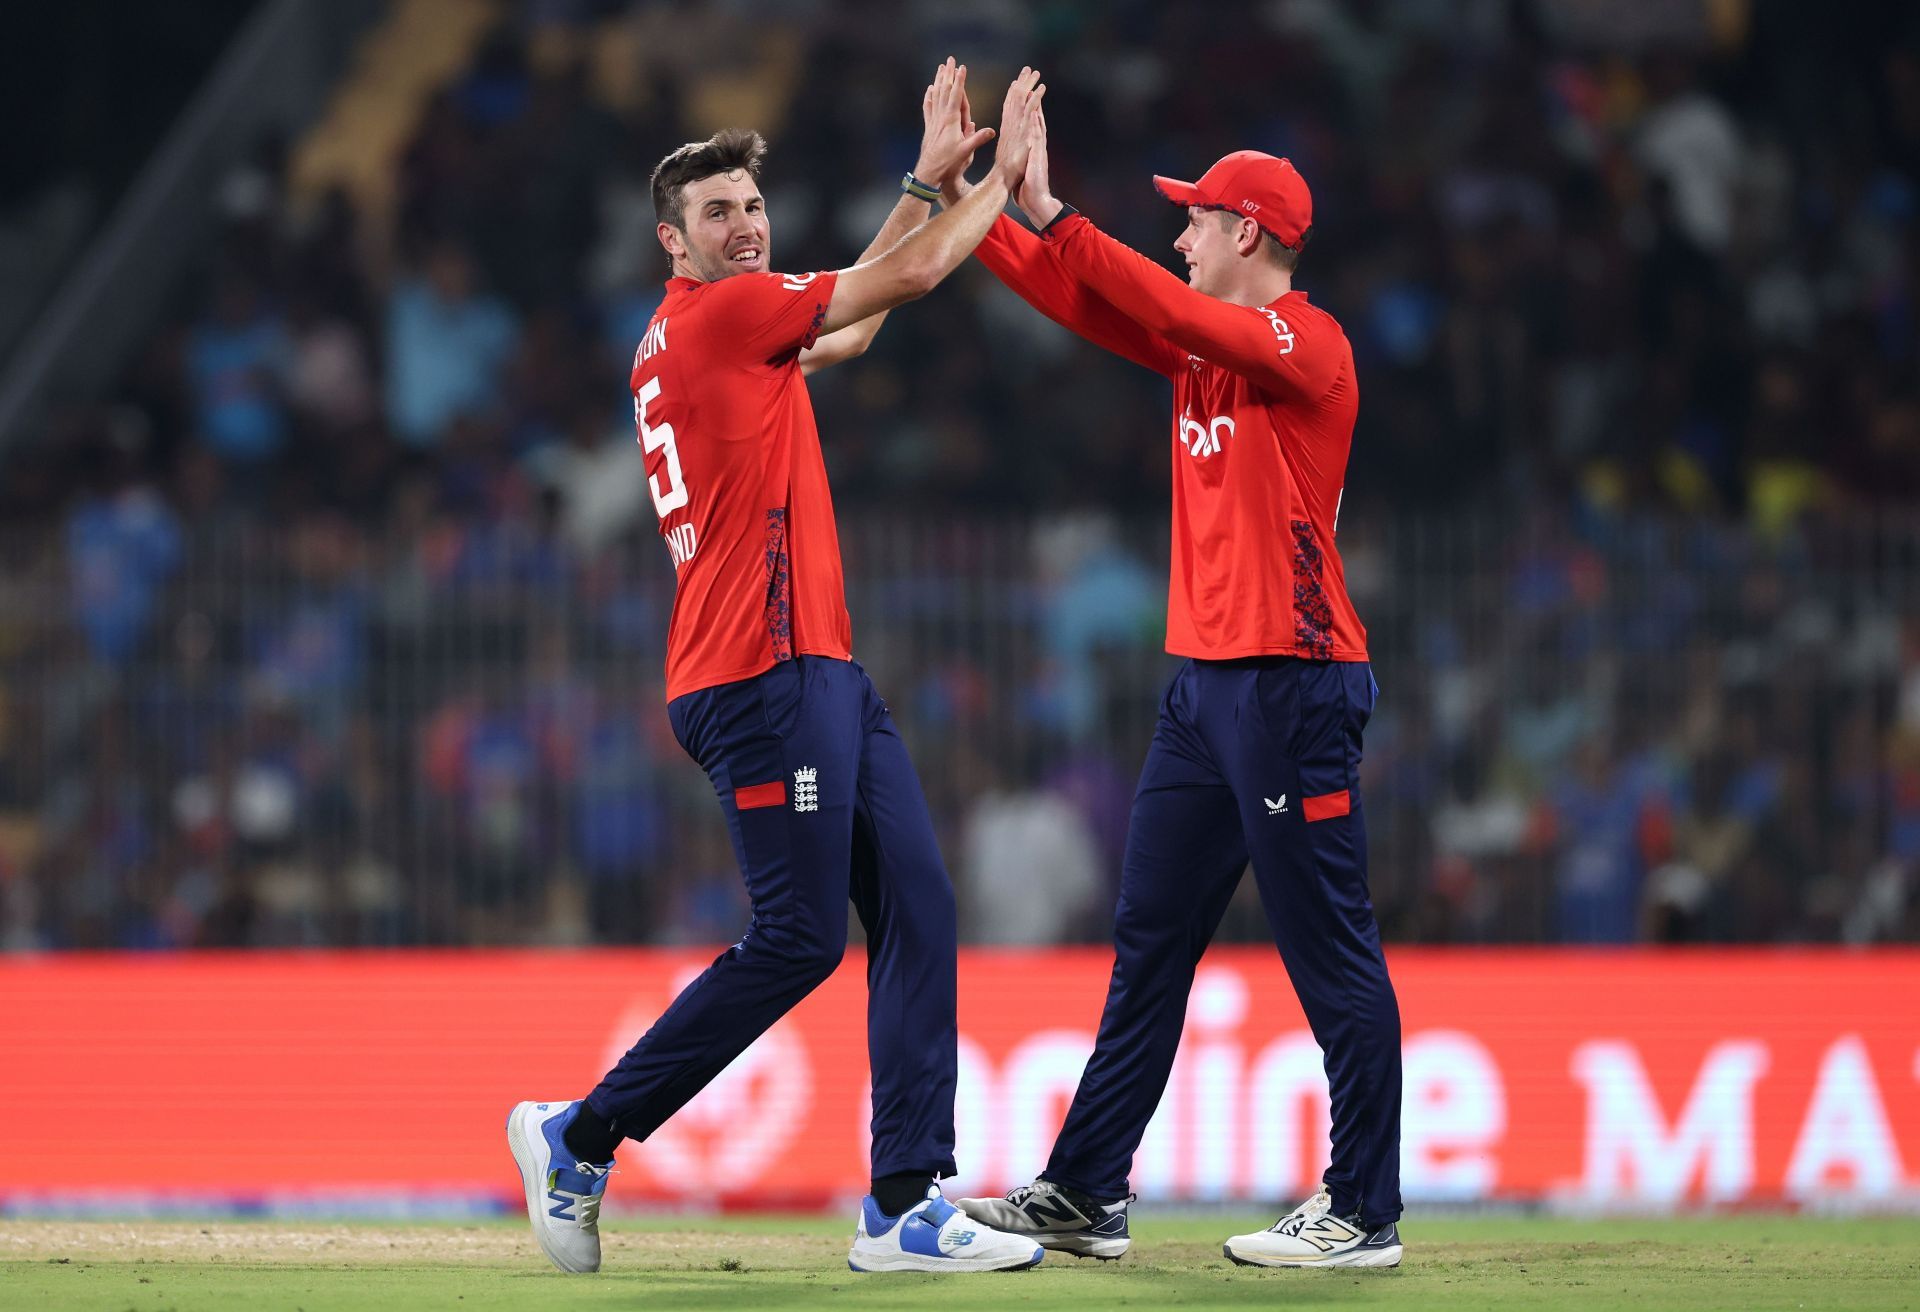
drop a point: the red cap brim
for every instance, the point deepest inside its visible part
(1180, 193)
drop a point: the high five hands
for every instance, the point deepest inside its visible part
(1019, 126)
(950, 137)
(1034, 194)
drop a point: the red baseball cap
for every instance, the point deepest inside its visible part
(1265, 188)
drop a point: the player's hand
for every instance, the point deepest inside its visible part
(1035, 192)
(949, 137)
(1018, 116)
(954, 188)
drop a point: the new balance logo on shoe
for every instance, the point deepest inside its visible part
(806, 789)
(1055, 1210)
(935, 1236)
(1327, 1233)
(1276, 805)
(1311, 1235)
(1058, 1218)
(562, 1192)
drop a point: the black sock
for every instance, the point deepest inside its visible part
(896, 1193)
(590, 1137)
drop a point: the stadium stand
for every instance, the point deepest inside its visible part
(336, 619)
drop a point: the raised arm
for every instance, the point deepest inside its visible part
(1022, 261)
(1252, 341)
(927, 254)
(947, 142)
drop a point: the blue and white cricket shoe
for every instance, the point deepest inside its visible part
(935, 1236)
(563, 1194)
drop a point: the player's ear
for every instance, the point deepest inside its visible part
(1247, 239)
(673, 239)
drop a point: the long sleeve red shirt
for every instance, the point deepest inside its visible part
(1264, 401)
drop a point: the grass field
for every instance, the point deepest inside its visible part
(1479, 1263)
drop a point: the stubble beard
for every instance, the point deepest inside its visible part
(712, 268)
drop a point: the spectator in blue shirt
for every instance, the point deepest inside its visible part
(121, 550)
(446, 345)
(237, 364)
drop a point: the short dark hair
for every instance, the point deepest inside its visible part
(723, 152)
(1283, 256)
(1287, 257)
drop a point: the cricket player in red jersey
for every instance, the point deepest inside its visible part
(820, 798)
(1257, 750)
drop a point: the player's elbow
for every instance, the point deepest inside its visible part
(917, 280)
(919, 273)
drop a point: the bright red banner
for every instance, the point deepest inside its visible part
(383, 1079)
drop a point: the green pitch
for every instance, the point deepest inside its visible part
(1741, 1262)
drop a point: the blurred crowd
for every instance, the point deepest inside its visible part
(339, 618)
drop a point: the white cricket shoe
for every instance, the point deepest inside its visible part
(935, 1236)
(1310, 1235)
(563, 1195)
(1061, 1219)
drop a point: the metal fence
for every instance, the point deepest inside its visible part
(447, 732)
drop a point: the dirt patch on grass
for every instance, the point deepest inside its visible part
(240, 1242)
(362, 1244)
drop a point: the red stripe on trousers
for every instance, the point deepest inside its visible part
(1327, 806)
(754, 796)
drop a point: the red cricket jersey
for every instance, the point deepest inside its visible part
(733, 463)
(1264, 400)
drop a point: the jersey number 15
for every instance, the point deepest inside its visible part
(659, 437)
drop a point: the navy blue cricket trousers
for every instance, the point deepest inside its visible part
(823, 805)
(1257, 759)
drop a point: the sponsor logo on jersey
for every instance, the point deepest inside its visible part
(1202, 441)
(1280, 331)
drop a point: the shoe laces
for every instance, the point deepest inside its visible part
(1020, 1194)
(1311, 1210)
(1048, 1189)
(589, 1203)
